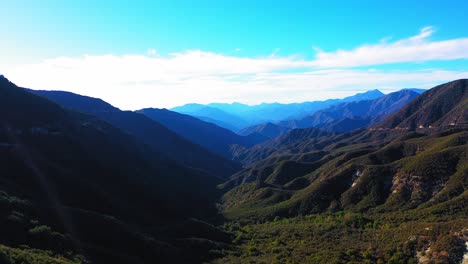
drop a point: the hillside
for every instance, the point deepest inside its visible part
(444, 105)
(354, 153)
(393, 185)
(403, 192)
(212, 137)
(268, 130)
(160, 138)
(74, 189)
(296, 137)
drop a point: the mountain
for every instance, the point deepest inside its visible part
(349, 116)
(163, 140)
(417, 90)
(316, 194)
(268, 130)
(208, 135)
(369, 95)
(74, 189)
(444, 105)
(237, 116)
(389, 195)
(212, 115)
(83, 182)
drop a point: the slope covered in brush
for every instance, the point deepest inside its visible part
(444, 105)
(306, 172)
(296, 137)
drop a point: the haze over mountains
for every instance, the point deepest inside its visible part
(338, 117)
(356, 114)
(237, 116)
(84, 182)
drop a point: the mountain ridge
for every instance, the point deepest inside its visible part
(442, 105)
(206, 134)
(153, 133)
(369, 111)
(240, 116)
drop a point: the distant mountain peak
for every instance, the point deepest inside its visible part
(368, 95)
(417, 90)
(375, 91)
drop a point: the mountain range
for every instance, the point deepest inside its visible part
(372, 178)
(166, 142)
(237, 116)
(212, 137)
(341, 117)
(358, 114)
(379, 169)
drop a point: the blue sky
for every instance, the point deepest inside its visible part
(138, 54)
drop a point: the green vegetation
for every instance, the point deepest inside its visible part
(346, 237)
(25, 255)
(371, 171)
(75, 189)
(380, 197)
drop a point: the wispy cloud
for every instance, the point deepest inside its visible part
(417, 48)
(152, 80)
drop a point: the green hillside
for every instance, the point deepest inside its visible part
(382, 195)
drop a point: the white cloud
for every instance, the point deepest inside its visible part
(414, 49)
(137, 81)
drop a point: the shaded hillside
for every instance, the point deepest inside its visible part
(73, 188)
(268, 130)
(208, 135)
(163, 140)
(349, 116)
(444, 105)
(294, 137)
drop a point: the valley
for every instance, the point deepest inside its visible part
(77, 171)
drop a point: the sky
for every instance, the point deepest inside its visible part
(136, 54)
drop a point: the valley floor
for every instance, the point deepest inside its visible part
(346, 237)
